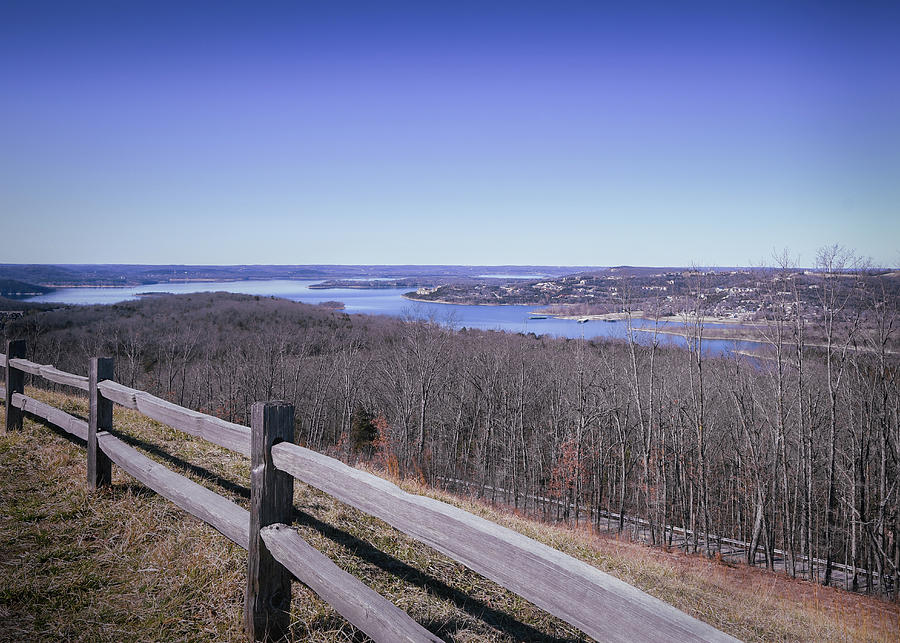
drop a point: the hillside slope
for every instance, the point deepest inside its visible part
(127, 564)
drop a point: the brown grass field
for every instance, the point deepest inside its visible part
(127, 565)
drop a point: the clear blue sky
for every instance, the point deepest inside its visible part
(448, 132)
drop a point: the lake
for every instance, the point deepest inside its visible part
(389, 301)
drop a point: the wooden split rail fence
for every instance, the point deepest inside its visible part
(600, 605)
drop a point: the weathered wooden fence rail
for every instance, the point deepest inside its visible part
(600, 605)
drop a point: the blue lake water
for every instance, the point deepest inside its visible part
(389, 301)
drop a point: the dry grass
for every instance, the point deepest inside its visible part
(749, 603)
(125, 564)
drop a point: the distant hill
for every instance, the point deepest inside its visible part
(13, 288)
(38, 273)
(131, 275)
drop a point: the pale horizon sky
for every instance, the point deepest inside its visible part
(553, 133)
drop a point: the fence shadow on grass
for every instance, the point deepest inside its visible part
(497, 619)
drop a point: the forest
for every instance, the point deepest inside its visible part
(798, 450)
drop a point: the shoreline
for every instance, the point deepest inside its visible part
(456, 303)
(191, 280)
(638, 314)
(663, 331)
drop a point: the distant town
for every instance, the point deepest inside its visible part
(730, 295)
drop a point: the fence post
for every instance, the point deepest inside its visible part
(267, 601)
(99, 467)
(15, 383)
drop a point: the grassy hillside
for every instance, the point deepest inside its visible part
(126, 564)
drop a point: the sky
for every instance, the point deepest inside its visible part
(487, 133)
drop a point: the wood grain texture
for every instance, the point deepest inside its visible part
(380, 619)
(15, 383)
(233, 437)
(73, 425)
(24, 365)
(52, 374)
(99, 468)
(267, 601)
(225, 516)
(119, 393)
(600, 605)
